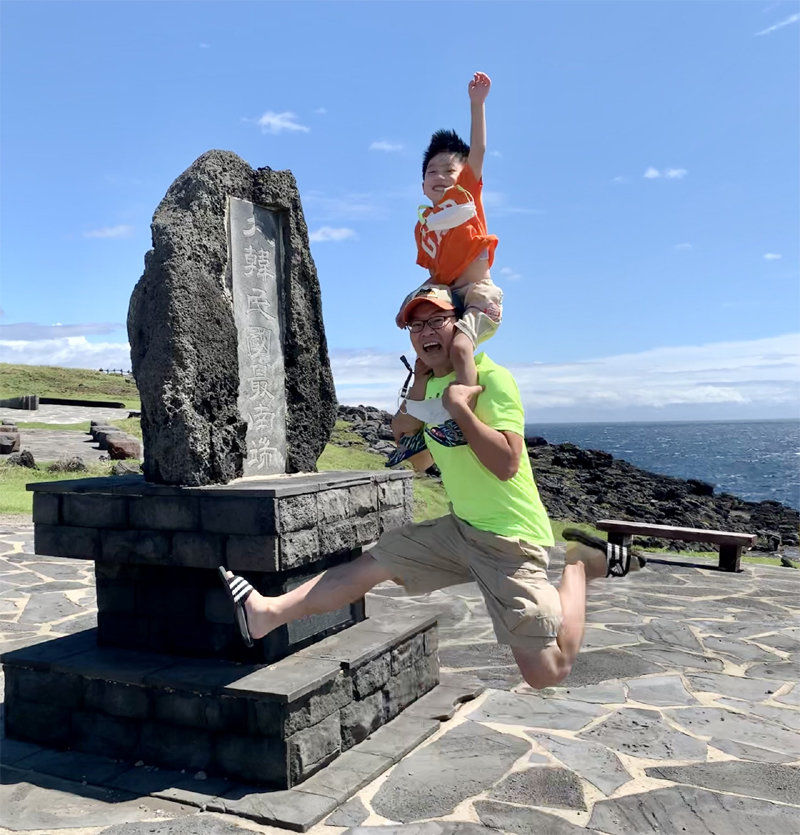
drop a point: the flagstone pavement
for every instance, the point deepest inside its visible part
(681, 715)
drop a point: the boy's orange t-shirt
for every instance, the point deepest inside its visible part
(447, 253)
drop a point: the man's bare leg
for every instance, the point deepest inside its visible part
(326, 592)
(549, 666)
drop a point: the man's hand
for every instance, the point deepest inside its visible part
(457, 398)
(479, 87)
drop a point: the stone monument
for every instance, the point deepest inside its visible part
(227, 343)
(229, 354)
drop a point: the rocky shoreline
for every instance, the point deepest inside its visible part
(584, 485)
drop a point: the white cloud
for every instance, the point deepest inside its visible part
(279, 122)
(205, 46)
(772, 256)
(787, 22)
(329, 233)
(760, 376)
(120, 231)
(68, 352)
(653, 173)
(321, 111)
(29, 331)
(496, 154)
(385, 145)
(509, 275)
(620, 180)
(683, 246)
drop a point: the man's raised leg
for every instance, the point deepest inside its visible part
(327, 592)
(548, 666)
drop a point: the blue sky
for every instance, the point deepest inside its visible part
(642, 176)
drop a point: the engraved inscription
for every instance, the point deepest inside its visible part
(254, 235)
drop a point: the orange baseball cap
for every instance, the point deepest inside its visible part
(437, 294)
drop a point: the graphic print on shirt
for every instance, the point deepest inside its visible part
(456, 209)
(449, 434)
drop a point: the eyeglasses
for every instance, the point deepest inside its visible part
(435, 323)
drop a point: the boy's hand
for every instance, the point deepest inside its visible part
(479, 87)
(457, 396)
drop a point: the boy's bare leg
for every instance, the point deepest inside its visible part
(549, 666)
(462, 355)
(326, 592)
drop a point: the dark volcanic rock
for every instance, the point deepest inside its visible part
(22, 459)
(183, 337)
(584, 485)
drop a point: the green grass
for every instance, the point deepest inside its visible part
(133, 426)
(348, 458)
(712, 556)
(15, 499)
(72, 383)
(430, 500)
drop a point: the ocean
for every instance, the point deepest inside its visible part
(755, 460)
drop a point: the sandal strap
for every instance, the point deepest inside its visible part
(240, 589)
(618, 557)
(618, 560)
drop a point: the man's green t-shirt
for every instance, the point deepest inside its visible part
(507, 508)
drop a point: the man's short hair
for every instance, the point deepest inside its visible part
(444, 142)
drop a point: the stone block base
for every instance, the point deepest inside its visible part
(270, 725)
(156, 551)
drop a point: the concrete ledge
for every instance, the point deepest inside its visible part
(271, 487)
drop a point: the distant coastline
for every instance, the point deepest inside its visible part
(757, 460)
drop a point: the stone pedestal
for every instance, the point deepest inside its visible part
(161, 680)
(271, 725)
(156, 550)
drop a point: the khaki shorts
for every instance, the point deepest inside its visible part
(524, 607)
(482, 302)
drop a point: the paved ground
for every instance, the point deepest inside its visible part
(48, 444)
(680, 716)
(63, 414)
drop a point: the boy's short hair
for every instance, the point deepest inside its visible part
(444, 142)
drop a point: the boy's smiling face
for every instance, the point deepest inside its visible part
(441, 173)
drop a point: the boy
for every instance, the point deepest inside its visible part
(453, 242)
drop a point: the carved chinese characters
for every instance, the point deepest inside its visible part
(255, 262)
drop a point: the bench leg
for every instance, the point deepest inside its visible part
(730, 557)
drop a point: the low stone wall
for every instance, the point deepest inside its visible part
(27, 402)
(273, 725)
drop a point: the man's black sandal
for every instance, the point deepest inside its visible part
(238, 590)
(618, 557)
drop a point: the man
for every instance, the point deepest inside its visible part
(496, 534)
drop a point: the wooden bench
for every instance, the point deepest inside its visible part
(730, 543)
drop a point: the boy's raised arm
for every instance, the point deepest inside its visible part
(478, 91)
